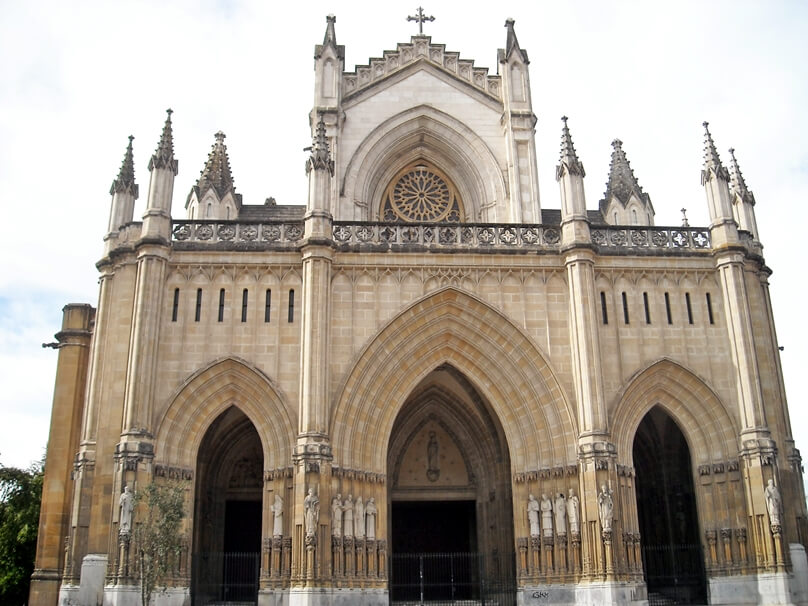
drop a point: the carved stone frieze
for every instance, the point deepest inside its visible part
(173, 473)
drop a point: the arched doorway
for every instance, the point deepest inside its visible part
(673, 561)
(451, 527)
(227, 512)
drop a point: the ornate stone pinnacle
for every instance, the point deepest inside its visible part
(420, 18)
(125, 182)
(685, 222)
(163, 156)
(320, 157)
(737, 183)
(712, 163)
(569, 161)
(622, 183)
(216, 174)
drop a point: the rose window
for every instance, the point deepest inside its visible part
(421, 194)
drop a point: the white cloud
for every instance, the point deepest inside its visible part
(79, 77)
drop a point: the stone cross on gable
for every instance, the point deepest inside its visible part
(420, 18)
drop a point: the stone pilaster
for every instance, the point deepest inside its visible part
(54, 517)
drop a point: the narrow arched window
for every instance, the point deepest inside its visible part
(647, 308)
(221, 305)
(198, 310)
(634, 216)
(176, 305)
(244, 296)
(668, 308)
(710, 309)
(267, 305)
(625, 308)
(603, 310)
(689, 308)
(291, 305)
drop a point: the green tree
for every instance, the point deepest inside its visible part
(20, 495)
(158, 534)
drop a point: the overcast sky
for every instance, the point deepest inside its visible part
(76, 78)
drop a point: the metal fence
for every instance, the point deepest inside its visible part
(452, 578)
(674, 574)
(225, 578)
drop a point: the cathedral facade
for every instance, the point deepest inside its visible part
(422, 386)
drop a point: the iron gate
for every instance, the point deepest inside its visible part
(674, 574)
(225, 577)
(452, 578)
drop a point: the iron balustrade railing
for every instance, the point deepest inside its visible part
(674, 574)
(452, 578)
(230, 577)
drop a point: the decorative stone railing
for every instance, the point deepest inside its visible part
(651, 238)
(417, 236)
(239, 234)
(403, 237)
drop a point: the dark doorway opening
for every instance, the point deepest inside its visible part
(434, 551)
(434, 526)
(673, 562)
(228, 512)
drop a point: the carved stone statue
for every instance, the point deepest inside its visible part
(370, 519)
(336, 516)
(359, 518)
(347, 518)
(533, 515)
(277, 516)
(546, 516)
(560, 511)
(432, 468)
(127, 504)
(773, 503)
(572, 512)
(311, 507)
(605, 507)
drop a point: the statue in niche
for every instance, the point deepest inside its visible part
(572, 513)
(773, 502)
(311, 507)
(533, 515)
(336, 516)
(546, 516)
(277, 516)
(560, 510)
(370, 519)
(605, 508)
(432, 469)
(127, 504)
(359, 518)
(347, 518)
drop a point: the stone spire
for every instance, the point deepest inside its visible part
(320, 158)
(216, 175)
(569, 162)
(737, 183)
(125, 182)
(164, 154)
(330, 40)
(622, 187)
(712, 163)
(512, 43)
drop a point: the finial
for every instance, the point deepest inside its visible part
(511, 42)
(320, 157)
(125, 182)
(737, 182)
(712, 163)
(569, 161)
(163, 156)
(216, 174)
(420, 18)
(684, 218)
(330, 33)
(622, 183)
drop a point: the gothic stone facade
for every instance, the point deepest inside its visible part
(336, 385)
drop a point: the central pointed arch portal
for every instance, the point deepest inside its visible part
(448, 402)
